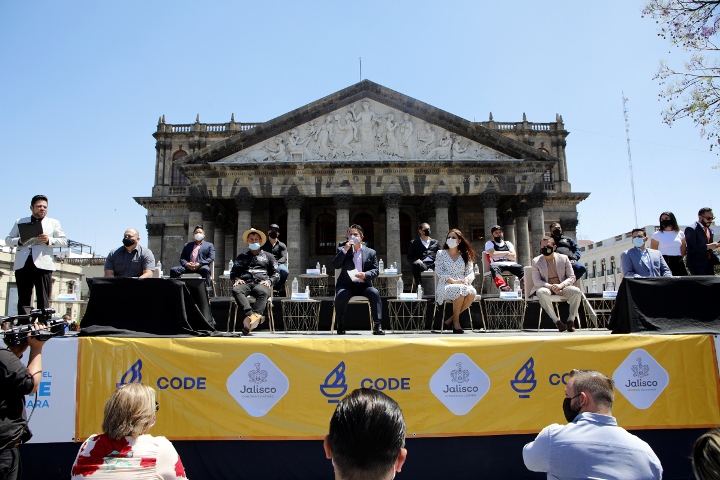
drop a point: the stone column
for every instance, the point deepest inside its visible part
(342, 216)
(219, 242)
(155, 233)
(392, 233)
(569, 227)
(522, 243)
(244, 201)
(490, 203)
(441, 201)
(230, 245)
(294, 202)
(208, 223)
(507, 220)
(536, 201)
(196, 205)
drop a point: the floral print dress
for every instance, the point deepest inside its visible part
(446, 268)
(144, 457)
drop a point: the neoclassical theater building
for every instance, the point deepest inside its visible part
(366, 155)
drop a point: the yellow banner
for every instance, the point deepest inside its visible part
(218, 388)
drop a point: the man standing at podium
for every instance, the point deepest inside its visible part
(422, 252)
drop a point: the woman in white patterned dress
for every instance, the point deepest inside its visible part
(454, 266)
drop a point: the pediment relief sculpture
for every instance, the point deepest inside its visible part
(367, 130)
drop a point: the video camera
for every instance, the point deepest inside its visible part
(22, 326)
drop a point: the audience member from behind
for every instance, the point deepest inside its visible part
(367, 437)
(592, 445)
(125, 449)
(640, 262)
(670, 242)
(130, 260)
(700, 245)
(455, 272)
(706, 456)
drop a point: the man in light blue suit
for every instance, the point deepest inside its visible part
(640, 262)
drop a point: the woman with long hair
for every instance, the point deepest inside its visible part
(670, 240)
(125, 449)
(454, 267)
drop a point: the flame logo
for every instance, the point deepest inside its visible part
(335, 384)
(133, 374)
(524, 381)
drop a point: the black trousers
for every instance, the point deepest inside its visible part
(514, 268)
(260, 292)
(204, 271)
(10, 466)
(704, 270)
(676, 265)
(417, 270)
(29, 277)
(343, 296)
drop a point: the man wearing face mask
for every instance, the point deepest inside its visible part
(639, 261)
(592, 445)
(567, 246)
(502, 258)
(354, 258)
(422, 252)
(254, 273)
(196, 257)
(130, 260)
(552, 274)
(700, 245)
(279, 251)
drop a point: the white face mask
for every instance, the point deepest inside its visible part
(638, 241)
(199, 236)
(451, 242)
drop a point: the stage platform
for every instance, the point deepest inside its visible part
(258, 406)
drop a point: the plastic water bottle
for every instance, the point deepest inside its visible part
(230, 265)
(317, 266)
(159, 265)
(307, 290)
(593, 287)
(419, 292)
(517, 287)
(294, 286)
(381, 266)
(324, 270)
(399, 287)
(477, 269)
(610, 284)
(395, 266)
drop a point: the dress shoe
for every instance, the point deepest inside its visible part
(571, 326)
(341, 331)
(378, 330)
(560, 326)
(458, 330)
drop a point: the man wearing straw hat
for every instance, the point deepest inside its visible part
(254, 273)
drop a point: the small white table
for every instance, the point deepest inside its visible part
(301, 315)
(505, 313)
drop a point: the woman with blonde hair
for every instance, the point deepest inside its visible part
(455, 274)
(706, 456)
(125, 449)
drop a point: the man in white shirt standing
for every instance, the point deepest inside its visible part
(502, 258)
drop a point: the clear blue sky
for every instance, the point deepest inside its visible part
(84, 82)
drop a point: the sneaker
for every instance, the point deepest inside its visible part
(505, 288)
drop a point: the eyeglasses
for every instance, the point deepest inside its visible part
(709, 219)
(157, 406)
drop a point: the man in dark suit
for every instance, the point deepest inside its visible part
(421, 253)
(196, 257)
(699, 239)
(353, 256)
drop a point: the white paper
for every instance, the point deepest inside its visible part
(352, 274)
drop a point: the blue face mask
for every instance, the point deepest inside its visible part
(638, 242)
(254, 246)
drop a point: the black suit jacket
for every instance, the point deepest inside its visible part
(697, 251)
(344, 261)
(417, 250)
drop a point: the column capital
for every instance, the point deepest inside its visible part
(209, 212)
(392, 199)
(569, 224)
(155, 229)
(520, 209)
(343, 200)
(294, 200)
(442, 199)
(244, 201)
(490, 199)
(507, 217)
(195, 202)
(536, 199)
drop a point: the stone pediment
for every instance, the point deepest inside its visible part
(365, 130)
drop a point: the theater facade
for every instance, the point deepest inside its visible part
(366, 155)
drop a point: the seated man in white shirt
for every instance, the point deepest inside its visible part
(502, 258)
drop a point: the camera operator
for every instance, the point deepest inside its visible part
(16, 381)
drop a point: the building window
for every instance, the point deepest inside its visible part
(406, 233)
(365, 220)
(594, 270)
(71, 287)
(325, 234)
(547, 176)
(178, 179)
(612, 264)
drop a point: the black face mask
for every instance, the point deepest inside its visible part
(426, 232)
(557, 232)
(273, 234)
(666, 223)
(570, 413)
(128, 242)
(497, 239)
(547, 251)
